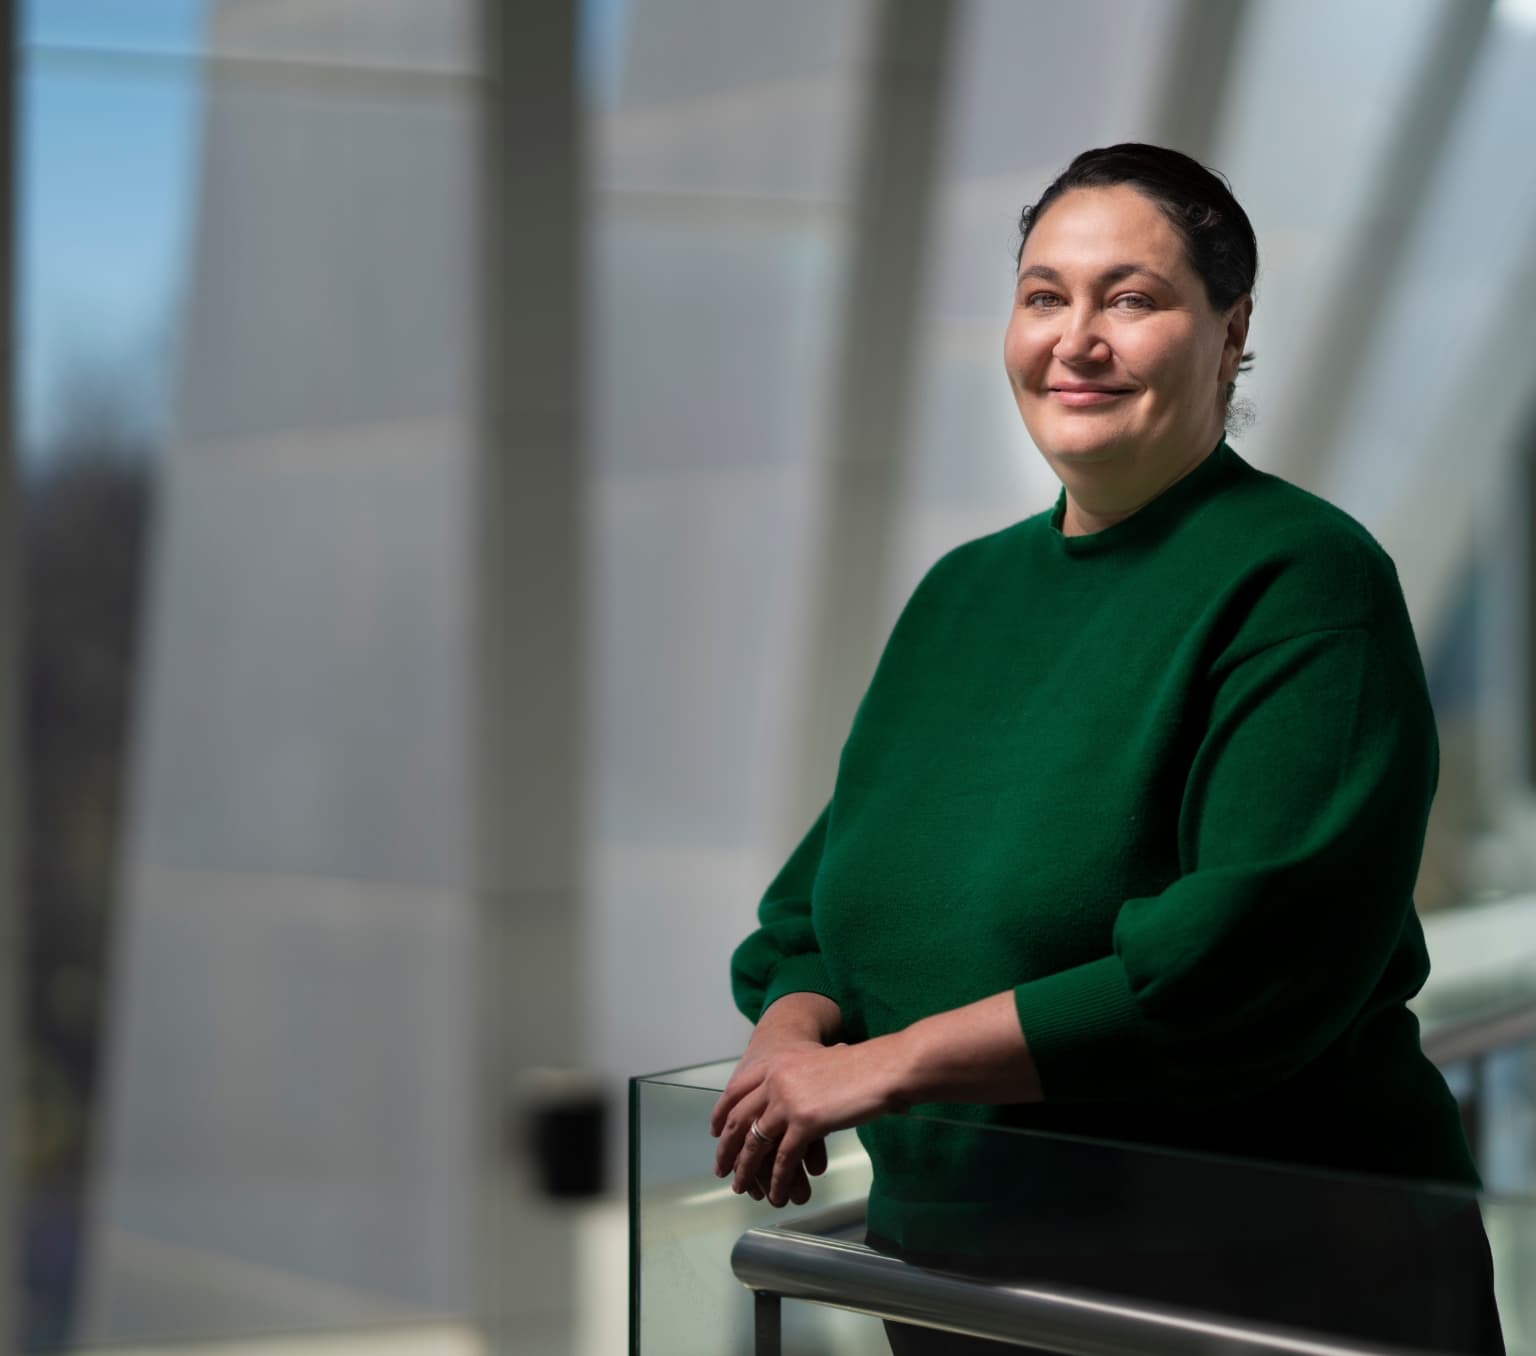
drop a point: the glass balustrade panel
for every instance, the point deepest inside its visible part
(1363, 1260)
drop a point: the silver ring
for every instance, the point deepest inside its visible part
(758, 1134)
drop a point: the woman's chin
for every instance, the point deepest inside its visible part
(1083, 452)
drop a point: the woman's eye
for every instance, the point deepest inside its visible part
(1132, 301)
(1042, 301)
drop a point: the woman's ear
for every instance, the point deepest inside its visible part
(1236, 342)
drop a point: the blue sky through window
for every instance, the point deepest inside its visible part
(107, 168)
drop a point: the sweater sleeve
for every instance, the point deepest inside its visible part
(1300, 829)
(782, 956)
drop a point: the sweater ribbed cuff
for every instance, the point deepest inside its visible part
(1087, 1036)
(806, 973)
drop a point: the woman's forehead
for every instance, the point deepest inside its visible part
(1104, 228)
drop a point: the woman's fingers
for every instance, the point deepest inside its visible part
(816, 1157)
(733, 1093)
(754, 1161)
(788, 1162)
(800, 1188)
(718, 1112)
(746, 1077)
(736, 1134)
(799, 1191)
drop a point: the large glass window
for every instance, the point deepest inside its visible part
(721, 170)
(247, 339)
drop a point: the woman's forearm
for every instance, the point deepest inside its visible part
(792, 1088)
(972, 1054)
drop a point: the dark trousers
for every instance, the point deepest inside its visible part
(1425, 1286)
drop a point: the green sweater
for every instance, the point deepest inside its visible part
(1168, 783)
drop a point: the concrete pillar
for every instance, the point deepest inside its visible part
(1307, 428)
(1525, 550)
(529, 704)
(868, 435)
(10, 730)
(1198, 75)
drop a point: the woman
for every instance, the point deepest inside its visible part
(1124, 835)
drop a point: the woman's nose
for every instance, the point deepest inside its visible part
(1080, 340)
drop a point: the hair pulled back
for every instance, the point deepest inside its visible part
(1197, 202)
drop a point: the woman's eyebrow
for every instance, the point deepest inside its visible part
(1118, 273)
(1122, 271)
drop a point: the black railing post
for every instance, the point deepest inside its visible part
(766, 1319)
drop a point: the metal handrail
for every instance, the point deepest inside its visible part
(815, 1258)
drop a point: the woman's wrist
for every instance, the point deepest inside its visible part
(919, 1062)
(813, 1016)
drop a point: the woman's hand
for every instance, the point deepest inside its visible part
(798, 1089)
(797, 1092)
(807, 1020)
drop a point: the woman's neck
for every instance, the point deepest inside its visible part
(1079, 521)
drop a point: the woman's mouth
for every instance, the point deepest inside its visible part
(1080, 397)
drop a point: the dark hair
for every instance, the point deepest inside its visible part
(1197, 202)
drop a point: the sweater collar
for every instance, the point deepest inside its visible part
(1153, 517)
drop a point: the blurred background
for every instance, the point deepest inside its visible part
(464, 460)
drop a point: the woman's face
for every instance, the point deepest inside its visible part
(1117, 360)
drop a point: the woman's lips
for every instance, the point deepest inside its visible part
(1081, 397)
